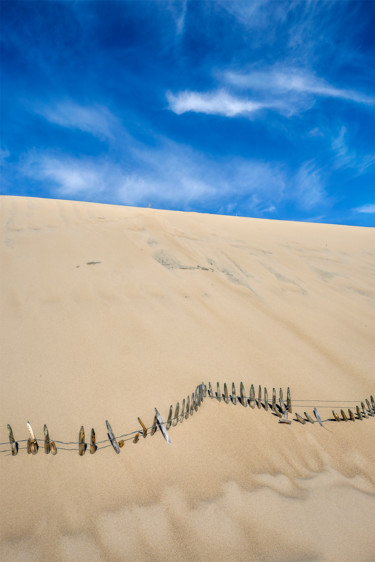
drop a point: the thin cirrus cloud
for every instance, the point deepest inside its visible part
(287, 92)
(367, 209)
(96, 120)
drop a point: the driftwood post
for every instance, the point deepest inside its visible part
(53, 448)
(210, 391)
(364, 410)
(112, 438)
(259, 396)
(360, 417)
(308, 417)
(351, 415)
(161, 426)
(204, 390)
(93, 445)
(337, 418)
(136, 438)
(13, 443)
(369, 407)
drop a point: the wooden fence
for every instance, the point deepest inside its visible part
(358, 410)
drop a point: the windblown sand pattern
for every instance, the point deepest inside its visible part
(108, 312)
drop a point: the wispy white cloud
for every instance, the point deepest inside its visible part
(307, 187)
(212, 103)
(368, 209)
(281, 82)
(347, 157)
(96, 120)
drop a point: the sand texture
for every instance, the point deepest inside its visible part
(108, 312)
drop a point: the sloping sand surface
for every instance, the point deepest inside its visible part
(110, 311)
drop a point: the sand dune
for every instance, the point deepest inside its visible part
(110, 311)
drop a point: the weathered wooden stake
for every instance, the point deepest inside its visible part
(259, 396)
(193, 404)
(364, 410)
(112, 438)
(351, 415)
(13, 443)
(300, 419)
(369, 407)
(33, 446)
(169, 420)
(281, 395)
(154, 425)
(265, 399)
(226, 395)
(47, 444)
(210, 391)
(234, 394)
(121, 443)
(175, 421)
(243, 395)
(187, 408)
(288, 401)
(252, 397)
(360, 417)
(161, 426)
(144, 428)
(337, 418)
(81, 441)
(218, 392)
(308, 417)
(372, 402)
(204, 390)
(182, 415)
(136, 438)
(344, 416)
(273, 407)
(53, 448)
(93, 445)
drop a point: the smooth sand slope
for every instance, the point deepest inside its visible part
(107, 312)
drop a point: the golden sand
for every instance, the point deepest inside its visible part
(108, 312)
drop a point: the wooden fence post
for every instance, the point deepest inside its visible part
(364, 410)
(182, 415)
(234, 394)
(204, 390)
(32, 446)
(360, 417)
(369, 407)
(265, 399)
(161, 426)
(136, 438)
(175, 420)
(47, 445)
(259, 396)
(288, 401)
(351, 415)
(93, 445)
(210, 391)
(226, 395)
(53, 448)
(144, 428)
(252, 397)
(187, 408)
(273, 407)
(308, 417)
(13, 443)
(81, 441)
(218, 392)
(169, 420)
(154, 425)
(112, 438)
(243, 395)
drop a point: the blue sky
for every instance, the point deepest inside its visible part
(255, 108)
